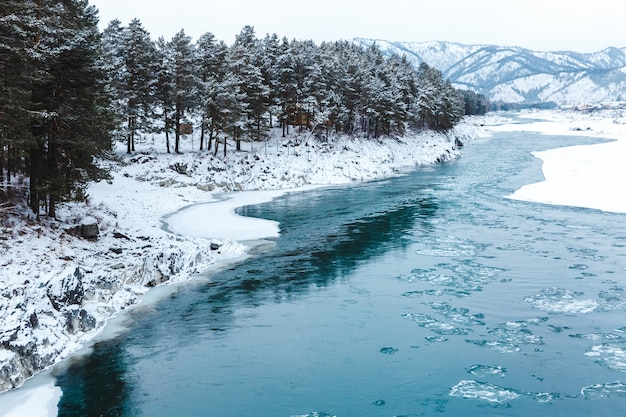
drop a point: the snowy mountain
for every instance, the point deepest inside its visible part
(518, 75)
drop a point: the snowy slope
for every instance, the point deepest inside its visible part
(518, 75)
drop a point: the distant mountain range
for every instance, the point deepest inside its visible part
(517, 75)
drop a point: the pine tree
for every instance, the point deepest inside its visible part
(135, 89)
(286, 95)
(73, 111)
(232, 110)
(185, 81)
(244, 61)
(164, 88)
(210, 61)
(17, 36)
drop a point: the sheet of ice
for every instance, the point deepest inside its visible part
(588, 176)
(218, 220)
(37, 400)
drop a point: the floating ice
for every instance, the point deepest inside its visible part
(558, 300)
(457, 315)
(494, 394)
(613, 299)
(500, 347)
(609, 355)
(436, 339)
(388, 350)
(485, 392)
(468, 275)
(450, 246)
(315, 414)
(516, 335)
(434, 325)
(510, 336)
(437, 293)
(487, 370)
(599, 391)
(429, 276)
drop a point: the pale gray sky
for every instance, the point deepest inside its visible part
(547, 25)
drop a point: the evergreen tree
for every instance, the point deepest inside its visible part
(135, 89)
(17, 36)
(287, 86)
(164, 88)
(210, 57)
(73, 113)
(185, 81)
(113, 47)
(244, 61)
(232, 111)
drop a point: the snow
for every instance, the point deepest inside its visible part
(161, 212)
(35, 398)
(581, 176)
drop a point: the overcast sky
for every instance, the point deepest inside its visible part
(546, 25)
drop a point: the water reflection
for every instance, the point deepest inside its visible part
(99, 386)
(313, 251)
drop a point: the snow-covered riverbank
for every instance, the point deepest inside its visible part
(57, 291)
(590, 176)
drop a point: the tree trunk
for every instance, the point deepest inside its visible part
(167, 134)
(202, 123)
(130, 130)
(208, 146)
(3, 186)
(52, 209)
(177, 132)
(35, 164)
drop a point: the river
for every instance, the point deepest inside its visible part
(429, 293)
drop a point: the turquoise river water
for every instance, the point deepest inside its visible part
(426, 294)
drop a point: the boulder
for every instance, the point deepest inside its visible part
(89, 228)
(66, 290)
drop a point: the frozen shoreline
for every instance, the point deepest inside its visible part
(588, 176)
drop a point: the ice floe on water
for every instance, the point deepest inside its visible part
(601, 391)
(434, 325)
(494, 394)
(610, 355)
(388, 350)
(562, 301)
(436, 293)
(558, 300)
(456, 314)
(487, 370)
(436, 339)
(612, 299)
(509, 337)
(449, 246)
(464, 277)
(455, 322)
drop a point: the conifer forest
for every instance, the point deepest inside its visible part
(69, 92)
